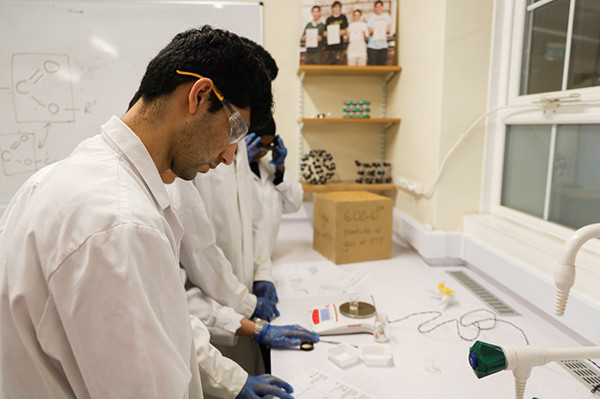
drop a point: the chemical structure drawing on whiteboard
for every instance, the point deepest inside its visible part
(17, 152)
(42, 95)
(42, 89)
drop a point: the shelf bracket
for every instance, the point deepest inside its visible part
(301, 124)
(382, 144)
(383, 115)
(384, 127)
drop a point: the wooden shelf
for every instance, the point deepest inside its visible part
(346, 186)
(349, 120)
(348, 70)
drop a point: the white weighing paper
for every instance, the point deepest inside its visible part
(315, 384)
(312, 38)
(315, 279)
(379, 30)
(333, 34)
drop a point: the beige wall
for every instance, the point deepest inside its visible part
(467, 45)
(444, 52)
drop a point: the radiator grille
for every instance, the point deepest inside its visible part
(501, 308)
(584, 372)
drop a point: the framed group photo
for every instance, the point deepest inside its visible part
(348, 32)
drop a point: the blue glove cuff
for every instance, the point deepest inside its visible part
(262, 333)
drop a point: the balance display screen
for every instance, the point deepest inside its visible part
(325, 314)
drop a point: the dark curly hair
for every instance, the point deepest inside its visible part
(237, 72)
(263, 55)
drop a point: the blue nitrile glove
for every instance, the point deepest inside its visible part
(265, 309)
(253, 147)
(285, 336)
(265, 384)
(279, 153)
(265, 289)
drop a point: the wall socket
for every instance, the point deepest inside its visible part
(408, 185)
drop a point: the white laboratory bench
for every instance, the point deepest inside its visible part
(428, 366)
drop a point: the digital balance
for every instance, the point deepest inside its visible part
(347, 318)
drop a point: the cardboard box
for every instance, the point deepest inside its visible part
(352, 226)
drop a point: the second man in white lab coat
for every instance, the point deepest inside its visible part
(278, 191)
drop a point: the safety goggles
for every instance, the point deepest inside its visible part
(239, 127)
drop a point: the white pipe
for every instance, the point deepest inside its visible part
(521, 359)
(564, 276)
(573, 244)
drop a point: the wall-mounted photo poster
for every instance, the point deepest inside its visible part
(348, 32)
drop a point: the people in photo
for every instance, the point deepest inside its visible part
(358, 34)
(313, 36)
(335, 30)
(380, 26)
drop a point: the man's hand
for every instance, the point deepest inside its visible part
(265, 384)
(285, 336)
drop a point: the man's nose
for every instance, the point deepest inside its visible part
(228, 154)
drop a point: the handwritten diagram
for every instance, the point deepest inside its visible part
(42, 95)
(17, 152)
(42, 88)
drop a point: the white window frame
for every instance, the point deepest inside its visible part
(507, 38)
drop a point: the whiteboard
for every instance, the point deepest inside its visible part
(67, 66)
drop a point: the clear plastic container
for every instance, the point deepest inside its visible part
(344, 355)
(375, 355)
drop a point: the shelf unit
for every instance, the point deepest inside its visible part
(386, 72)
(348, 70)
(346, 186)
(386, 121)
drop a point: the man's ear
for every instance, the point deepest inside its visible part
(199, 94)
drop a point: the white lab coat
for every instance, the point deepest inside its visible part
(221, 377)
(232, 206)
(91, 301)
(286, 197)
(221, 321)
(206, 265)
(201, 258)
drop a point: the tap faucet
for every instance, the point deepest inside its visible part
(564, 275)
(486, 359)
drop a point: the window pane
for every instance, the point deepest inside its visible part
(575, 198)
(544, 48)
(526, 168)
(584, 69)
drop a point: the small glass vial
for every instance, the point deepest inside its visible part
(381, 330)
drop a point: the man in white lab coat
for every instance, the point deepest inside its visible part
(231, 264)
(223, 322)
(91, 299)
(229, 279)
(278, 191)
